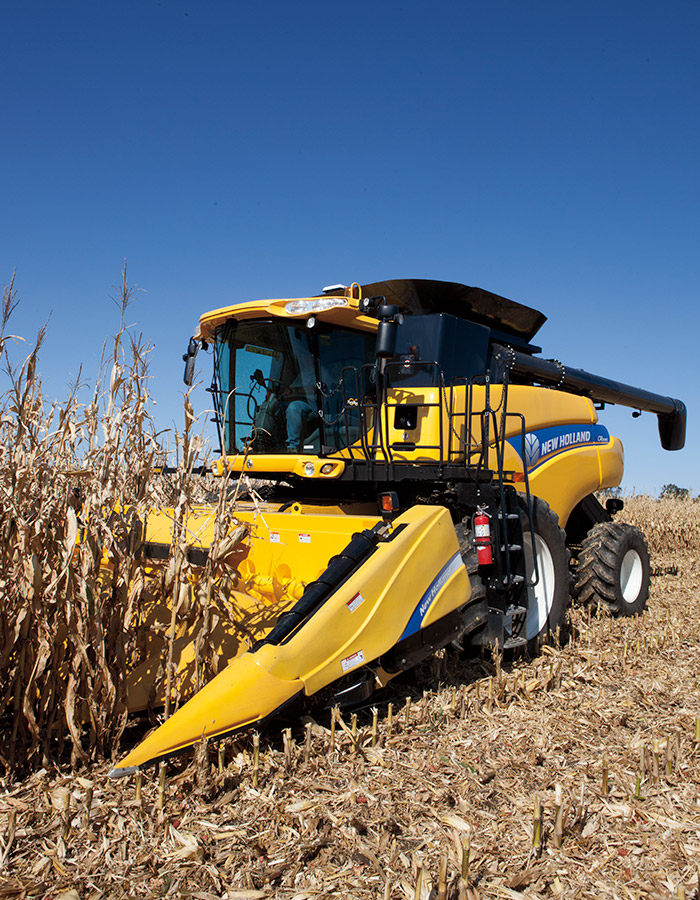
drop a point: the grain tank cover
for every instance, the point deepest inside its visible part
(419, 296)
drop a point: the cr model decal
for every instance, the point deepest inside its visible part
(548, 442)
(440, 580)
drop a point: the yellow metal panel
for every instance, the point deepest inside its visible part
(612, 463)
(455, 592)
(304, 536)
(280, 555)
(440, 427)
(346, 316)
(242, 694)
(367, 615)
(296, 464)
(542, 407)
(566, 479)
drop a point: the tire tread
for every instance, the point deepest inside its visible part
(600, 559)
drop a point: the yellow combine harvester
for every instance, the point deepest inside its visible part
(431, 478)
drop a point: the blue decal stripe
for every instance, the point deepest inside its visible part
(426, 601)
(543, 445)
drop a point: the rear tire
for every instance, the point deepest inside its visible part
(548, 599)
(614, 569)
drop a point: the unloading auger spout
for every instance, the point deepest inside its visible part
(672, 413)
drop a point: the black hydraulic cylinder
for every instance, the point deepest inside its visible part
(671, 412)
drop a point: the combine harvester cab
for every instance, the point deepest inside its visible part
(428, 480)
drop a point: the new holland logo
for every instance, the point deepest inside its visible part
(532, 449)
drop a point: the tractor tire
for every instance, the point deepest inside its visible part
(614, 569)
(548, 598)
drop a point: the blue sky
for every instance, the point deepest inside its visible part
(545, 151)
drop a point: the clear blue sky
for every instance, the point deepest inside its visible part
(547, 151)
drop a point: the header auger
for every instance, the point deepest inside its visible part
(431, 481)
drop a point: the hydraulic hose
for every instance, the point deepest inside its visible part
(339, 568)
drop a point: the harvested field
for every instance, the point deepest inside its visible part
(574, 775)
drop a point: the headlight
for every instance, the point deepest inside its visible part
(297, 307)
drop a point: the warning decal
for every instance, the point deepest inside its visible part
(350, 662)
(355, 601)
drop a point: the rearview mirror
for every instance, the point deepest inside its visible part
(188, 359)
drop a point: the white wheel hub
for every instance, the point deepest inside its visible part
(540, 596)
(631, 575)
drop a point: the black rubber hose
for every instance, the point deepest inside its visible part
(339, 568)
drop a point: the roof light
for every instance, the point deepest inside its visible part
(334, 289)
(298, 307)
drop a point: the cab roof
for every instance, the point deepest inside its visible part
(413, 296)
(419, 296)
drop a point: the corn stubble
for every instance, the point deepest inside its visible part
(574, 774)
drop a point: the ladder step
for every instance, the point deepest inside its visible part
(513, 642)
(516, 611)
(514, 579)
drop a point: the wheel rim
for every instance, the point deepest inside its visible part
(540, 596)
(631, 575)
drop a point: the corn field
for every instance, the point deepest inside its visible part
(670, 525)
(559, 776)
(76, 478)
(572, 775)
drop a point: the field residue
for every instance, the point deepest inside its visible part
(601, 732)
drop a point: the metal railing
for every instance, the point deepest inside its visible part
(449, 430)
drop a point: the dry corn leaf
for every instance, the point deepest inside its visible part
(245, 895)
(60, 798)
(455, 821)
(189, 845)
(301, 806)
(71, 534)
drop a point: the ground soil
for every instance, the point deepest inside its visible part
(573, 775)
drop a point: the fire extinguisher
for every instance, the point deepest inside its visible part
(482, 537)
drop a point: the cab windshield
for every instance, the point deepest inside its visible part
(282, 387)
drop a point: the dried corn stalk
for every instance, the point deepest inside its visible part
(76, 481)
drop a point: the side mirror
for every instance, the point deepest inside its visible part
(389, 318)
(189, 358)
